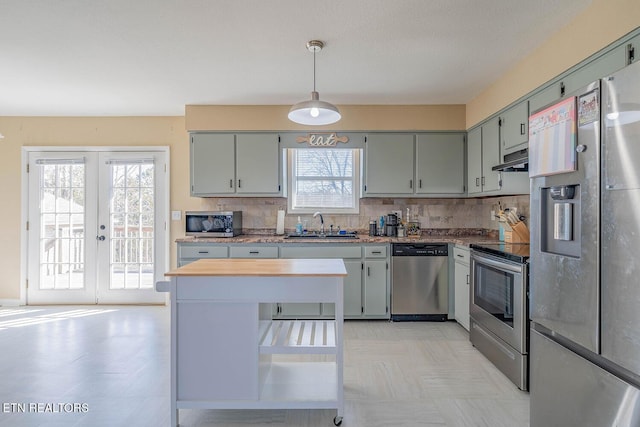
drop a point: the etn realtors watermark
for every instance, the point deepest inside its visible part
(44, 408)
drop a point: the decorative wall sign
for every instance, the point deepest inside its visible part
(322, 139)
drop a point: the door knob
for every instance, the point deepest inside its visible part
(101, 238)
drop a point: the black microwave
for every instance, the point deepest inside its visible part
(213, 224)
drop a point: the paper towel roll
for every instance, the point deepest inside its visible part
(280, 223)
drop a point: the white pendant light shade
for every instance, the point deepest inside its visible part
(314, 112)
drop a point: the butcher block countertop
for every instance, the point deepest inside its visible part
(262, 268)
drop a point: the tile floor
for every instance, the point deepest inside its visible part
(109, 366)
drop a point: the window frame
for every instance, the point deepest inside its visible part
(356, 179)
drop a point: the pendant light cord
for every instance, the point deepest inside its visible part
(314, 70)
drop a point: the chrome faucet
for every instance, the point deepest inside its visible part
(321, 222)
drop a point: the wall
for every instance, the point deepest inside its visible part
(436, 216)
(599, 25)
(355, 117)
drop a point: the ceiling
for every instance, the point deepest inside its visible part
(153, 57)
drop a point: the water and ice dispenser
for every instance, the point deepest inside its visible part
(560, 226)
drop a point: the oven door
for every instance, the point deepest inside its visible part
(499, 298)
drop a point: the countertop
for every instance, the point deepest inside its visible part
(262, 268)
(456, 238)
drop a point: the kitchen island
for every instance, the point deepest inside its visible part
(223, 337)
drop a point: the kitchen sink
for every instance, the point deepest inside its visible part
(321, 236)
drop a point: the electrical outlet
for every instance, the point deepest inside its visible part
(176, 215)
(493, 215)
(398, 214)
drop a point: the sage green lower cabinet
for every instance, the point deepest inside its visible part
(366, 286)
(375, 282)
(189, 252)
(461, 285)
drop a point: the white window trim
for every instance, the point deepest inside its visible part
(325, 210)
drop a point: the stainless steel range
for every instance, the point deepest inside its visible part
(498, 307)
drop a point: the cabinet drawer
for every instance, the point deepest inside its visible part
(461, 255)
(253, 252)
(203, 251)
(375, 251)
(321, 252)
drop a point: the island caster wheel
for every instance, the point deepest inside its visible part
(337, 421)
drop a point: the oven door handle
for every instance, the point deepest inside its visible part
(497, 264)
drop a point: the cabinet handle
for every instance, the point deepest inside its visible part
(562, 89)
(254, 252)
(522, 128)
(460, 256)
(477, 182)
(376, 252)
(410, 183)
(230, 183)
(467, 279)
(368, 271)
(420, 184)
(239, 184)
(203, 252)
(483, 180)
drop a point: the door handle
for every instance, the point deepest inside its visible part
(101, 238)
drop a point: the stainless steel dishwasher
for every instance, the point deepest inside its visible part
(419, 281)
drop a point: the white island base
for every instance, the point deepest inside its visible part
(223, 338)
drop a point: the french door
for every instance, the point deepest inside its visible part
(97, 228)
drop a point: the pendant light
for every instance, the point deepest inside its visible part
(314, 112)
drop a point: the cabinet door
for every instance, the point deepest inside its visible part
(375, 288)
(545, 97)
(474, 161)
(353, 288)
(514, 128)
(600, 67)
(389, 164)
(490, 155)
(257, 164)
(212, 164)
(440, 164)
(462, 294)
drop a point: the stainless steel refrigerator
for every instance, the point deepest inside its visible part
(585, 260)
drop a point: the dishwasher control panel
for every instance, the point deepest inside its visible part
(420, 249)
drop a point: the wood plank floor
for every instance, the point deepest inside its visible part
(109, 366)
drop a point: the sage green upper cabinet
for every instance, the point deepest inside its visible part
(212, 164)
(474, 163)
(235, 164)
(514, 128)
(611, 61)
(440, 163)
(483, 153)
(389, 164)
(490, 155)
(257, 164)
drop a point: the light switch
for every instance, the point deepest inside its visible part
(176, 215)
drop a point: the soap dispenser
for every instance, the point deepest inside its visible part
(299, 226)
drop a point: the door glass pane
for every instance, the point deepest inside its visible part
(494, 292)
(131, 216)
(62, 225)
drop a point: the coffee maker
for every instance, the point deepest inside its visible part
(391, 227)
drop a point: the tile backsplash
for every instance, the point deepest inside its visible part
(438, 215)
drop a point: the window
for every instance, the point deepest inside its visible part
(323, 179)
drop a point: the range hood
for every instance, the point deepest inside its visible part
(517, 161)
